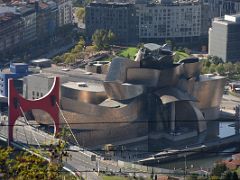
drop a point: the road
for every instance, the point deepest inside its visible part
(77, 161)
(229, 102)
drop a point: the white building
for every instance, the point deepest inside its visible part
(65, 12)
(171, 20)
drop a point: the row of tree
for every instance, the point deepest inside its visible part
(101, 39)
(75, 53)
(216, 65)
(15, 164)
(219, 172)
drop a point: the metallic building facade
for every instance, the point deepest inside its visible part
(151, 95)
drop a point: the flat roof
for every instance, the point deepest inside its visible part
(45, 75)
(152, 46)
(43, 60)
(19, 64)
(74, 75)
(90, 86)
(207, 77)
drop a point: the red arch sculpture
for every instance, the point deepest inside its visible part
(46, 103)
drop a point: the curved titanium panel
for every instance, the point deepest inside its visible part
(139, 55)
(118, 69)
(154, 77)
(87, 96)
(191, 69)
(169, 77)
(160, 63)
(202, 124)
(186, 84)
(187, 115)
(144, 76)
(130, 110)
(119, 91)
(168, 95)
(209, 91)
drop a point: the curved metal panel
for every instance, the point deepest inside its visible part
(93, 94)
(162, 62)
(144, 76)
(129, 110)
(119, 91)
(202, 124)
(209, 91)
(139, 55)
(188, 116)
(168, 95)
(186, 84)
(118, 69)
(191, 69)
(169, 77)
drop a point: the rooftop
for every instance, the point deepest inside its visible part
(207, 77)
(89, 86)
(228, 19)
(43, 60)
(19, 64)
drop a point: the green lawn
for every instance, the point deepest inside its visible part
(180, 55)
(129, 53)
(114, 178)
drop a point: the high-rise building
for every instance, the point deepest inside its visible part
(17, 25)
(11, 29)
(224, 38)
(47, 18)
(180, 21)
(65, 12)
(120, 18)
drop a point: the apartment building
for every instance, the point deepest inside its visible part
(11, 30)
(180, 21)
(120, 18)
(17, 25)
(65, 12)
(47, 18)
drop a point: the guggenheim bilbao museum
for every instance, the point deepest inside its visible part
(151, 95)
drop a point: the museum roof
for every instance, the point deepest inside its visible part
(86, 86)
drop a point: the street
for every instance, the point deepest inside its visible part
(77, 161)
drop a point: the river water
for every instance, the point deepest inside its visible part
(206, 160)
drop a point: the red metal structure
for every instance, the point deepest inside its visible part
(17, 104)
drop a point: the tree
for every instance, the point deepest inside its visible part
(215, 60)
(80, 14)
(29, 166)
(234, 176)
(58, 59)
(227, 175)
(220, 69)
(79, 46)
(111, 37)
(212, 68)
(70, 58)
(5, 162)
(219, 169)
(206, 62)
(103, 38)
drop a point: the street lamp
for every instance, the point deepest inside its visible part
(185, 163)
